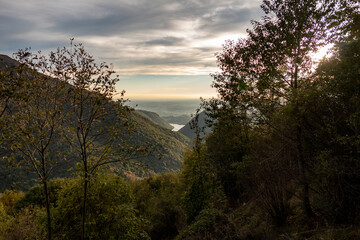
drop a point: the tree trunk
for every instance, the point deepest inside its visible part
(305, 185)
(300, 155)
(47, 203)
(84, 207)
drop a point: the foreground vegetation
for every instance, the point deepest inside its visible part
(282, 160)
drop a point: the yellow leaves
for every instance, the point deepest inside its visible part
(9, 198)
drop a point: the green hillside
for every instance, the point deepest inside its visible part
(147, 128)
(170, 144)
(170, 147)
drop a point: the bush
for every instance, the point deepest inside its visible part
(35, 195)
(110, 211)
(158, 199)
(210, 224)
(27, 224)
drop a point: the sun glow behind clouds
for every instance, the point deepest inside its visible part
(218, 41)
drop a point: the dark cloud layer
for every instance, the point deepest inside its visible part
(227, 20)
(10, 25)
(135, 34)
(165, 41)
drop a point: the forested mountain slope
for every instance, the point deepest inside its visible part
(167, 147)
(170, 147)
(155, 118)
(6, 61)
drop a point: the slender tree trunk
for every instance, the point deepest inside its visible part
(305, 184)
(84, 206)
(47, 202)
(300, 155)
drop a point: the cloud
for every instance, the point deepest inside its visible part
(227, 19)
(10, 25)
(165, 41)
(161, 37)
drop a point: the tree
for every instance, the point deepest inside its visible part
(201, 185)
(68, 98)
(96, 124)
(333, 114)
(264, 72)
(158, 199)
(111, 212)
(233, 134)
(34, 121)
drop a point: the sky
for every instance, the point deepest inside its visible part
(162, 49)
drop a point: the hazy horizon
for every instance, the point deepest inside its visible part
(167, 107)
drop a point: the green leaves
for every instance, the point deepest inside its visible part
(110, 210)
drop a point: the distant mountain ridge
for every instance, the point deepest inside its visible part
(181, 120)
(155, 118)
(6, 61)
(201, 124)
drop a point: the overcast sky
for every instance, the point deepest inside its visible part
(160, 48)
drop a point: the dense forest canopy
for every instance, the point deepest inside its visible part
(282, 160)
